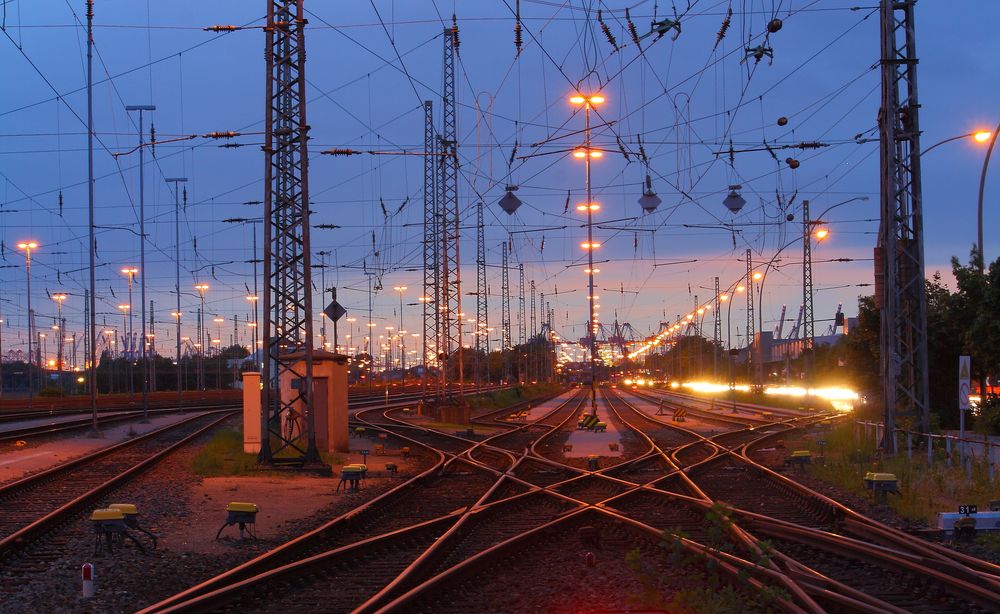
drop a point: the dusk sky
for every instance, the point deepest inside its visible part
(372, 64)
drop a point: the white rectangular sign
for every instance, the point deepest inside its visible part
(964, 369)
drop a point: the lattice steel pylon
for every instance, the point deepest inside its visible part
(716, 330)
(432, 246)
(505, 342)
(482, 297)
(750, 320)
(809, 320)
(286, 400)
(521, 324)
(532, 371)
(899, 257)
(451, 275)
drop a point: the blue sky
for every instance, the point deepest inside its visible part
(370, 66)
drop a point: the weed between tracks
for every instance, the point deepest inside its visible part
(925, 490)
(696, 584)
(498, 399)
(223, 455)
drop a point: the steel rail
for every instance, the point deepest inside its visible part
(33, 531)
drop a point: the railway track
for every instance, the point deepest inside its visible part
(35, 506)
(521, 510)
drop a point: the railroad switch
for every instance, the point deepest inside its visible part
(881, 484)
(965, 528)
(242, 514)
(392, 469)
(109, 527)
(131, 513)
(405, 450)
(593, 462)
(351, 477)
(799, 458)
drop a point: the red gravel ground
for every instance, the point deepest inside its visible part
(184, 511)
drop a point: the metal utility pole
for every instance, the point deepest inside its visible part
(451, 282)
(505, 342)
(809, 330)
(177, 279)
(482, 302)
(432, 245)
(92, 302)
(899, 258)
(288, 313)
(142, 256)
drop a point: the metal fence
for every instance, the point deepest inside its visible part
(950, 449)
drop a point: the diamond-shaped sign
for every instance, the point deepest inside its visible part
(334, 311)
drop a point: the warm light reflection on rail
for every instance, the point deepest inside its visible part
(840, 397)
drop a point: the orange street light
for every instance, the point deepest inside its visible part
(582, 152)
(593, 99)
(982, 136)
(822, 233)
(584, 207)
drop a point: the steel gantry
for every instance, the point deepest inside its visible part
(899, 257)
(287, 400)
(450, 342)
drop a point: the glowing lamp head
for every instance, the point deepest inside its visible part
(586, 245)
(740, 289)
(982, 136)
(822, 233)
(757, 277)
(29, 245)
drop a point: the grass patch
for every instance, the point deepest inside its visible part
(924, 489)
(223, 455)
(498, 399)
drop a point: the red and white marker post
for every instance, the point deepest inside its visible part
(87, 576)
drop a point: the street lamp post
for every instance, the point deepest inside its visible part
(124, 352)
(587, 153)
(130, 333)
(144, 368)
(177, 279)
(217, 342)
(27, 246)
(201, 288)
(402, 343)
(59, 298)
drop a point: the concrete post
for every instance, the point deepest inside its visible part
(251, 413)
